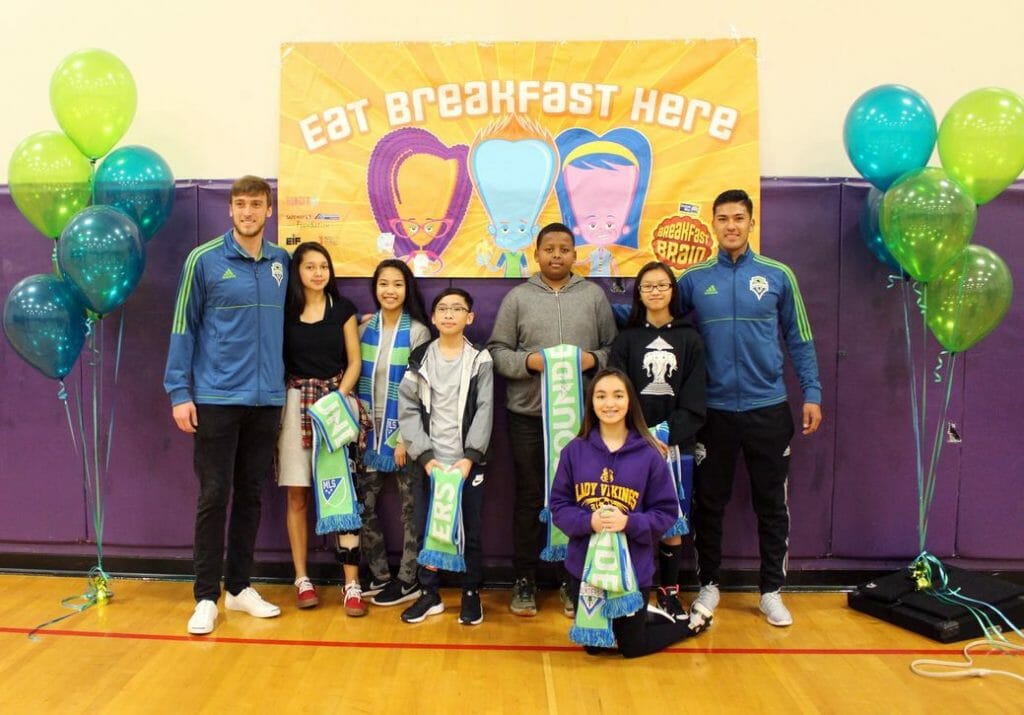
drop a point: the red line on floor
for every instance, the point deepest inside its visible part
(510, 647)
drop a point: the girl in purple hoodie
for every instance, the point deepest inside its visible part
(615, 463)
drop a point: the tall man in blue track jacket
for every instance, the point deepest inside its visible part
(743, 300)
(225, 377)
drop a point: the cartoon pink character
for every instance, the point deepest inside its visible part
(601, 190)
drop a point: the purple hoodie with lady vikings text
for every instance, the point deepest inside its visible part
(635, 478)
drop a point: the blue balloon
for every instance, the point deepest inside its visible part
(889, 131)
(137, 181)
(101, 256)
(871, 231)
(45, 324)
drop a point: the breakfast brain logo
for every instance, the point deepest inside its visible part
(681, 241)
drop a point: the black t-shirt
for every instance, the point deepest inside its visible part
(318, 349)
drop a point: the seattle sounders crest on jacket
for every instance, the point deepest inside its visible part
(741, 308)
(229, 305)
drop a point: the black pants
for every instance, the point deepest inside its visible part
(763, 436)
(234, 452)
(636, 636)
(526, 435)
(472, 526)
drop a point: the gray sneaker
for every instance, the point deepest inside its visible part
(776, 611)
(702, 610)
(568, 607)
(524, 598)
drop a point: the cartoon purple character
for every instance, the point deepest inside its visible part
(419, 191)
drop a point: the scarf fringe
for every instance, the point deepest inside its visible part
(339, 522)
(680, 528)
(442, 561)
(555, 552)
(381, 462)
(624, 605)
(596, 637)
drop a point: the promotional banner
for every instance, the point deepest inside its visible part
(451, 156)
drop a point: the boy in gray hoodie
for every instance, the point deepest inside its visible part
(554, 307)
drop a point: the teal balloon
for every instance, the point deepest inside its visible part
(968, 299)
(138, 182)
(45, 324)
(927, 218)
(871, 231)
(101, 256)
(889, 130)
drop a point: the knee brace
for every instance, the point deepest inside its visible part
(347, 551)
(347, 556)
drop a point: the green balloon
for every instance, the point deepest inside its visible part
(93, 97)
(50, 181)
(926, 219)
(981, 141)
(968, 299)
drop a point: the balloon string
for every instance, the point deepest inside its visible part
(920, 291)
(930, 577)
(912, 371)
(86, 476)
(937, 372)
(117, 372)
(938, 442)
(62, 395)
(97, 591)
(97, 496)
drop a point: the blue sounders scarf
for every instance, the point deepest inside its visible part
(444, 541)
(681, 466)
(608, 590)
(334, 426)
(380, 448)
(562, 412)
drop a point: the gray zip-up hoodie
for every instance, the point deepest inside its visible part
(533, 317)
(476, 404)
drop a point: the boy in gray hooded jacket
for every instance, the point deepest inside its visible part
(554, 307)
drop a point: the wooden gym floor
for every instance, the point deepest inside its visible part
(132, 655)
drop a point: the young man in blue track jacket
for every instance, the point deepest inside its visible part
(743, 300)
(225, 377)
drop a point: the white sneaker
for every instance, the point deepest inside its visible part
(776, 611)
(203, 618)
(251, 602)
(708, 598)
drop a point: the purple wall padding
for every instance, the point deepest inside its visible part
(852, 485)
(991, 485)
(875, 500)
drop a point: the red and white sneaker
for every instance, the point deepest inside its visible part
(305, 593)
(354, 605)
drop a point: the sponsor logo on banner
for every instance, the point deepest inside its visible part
(681, 241)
